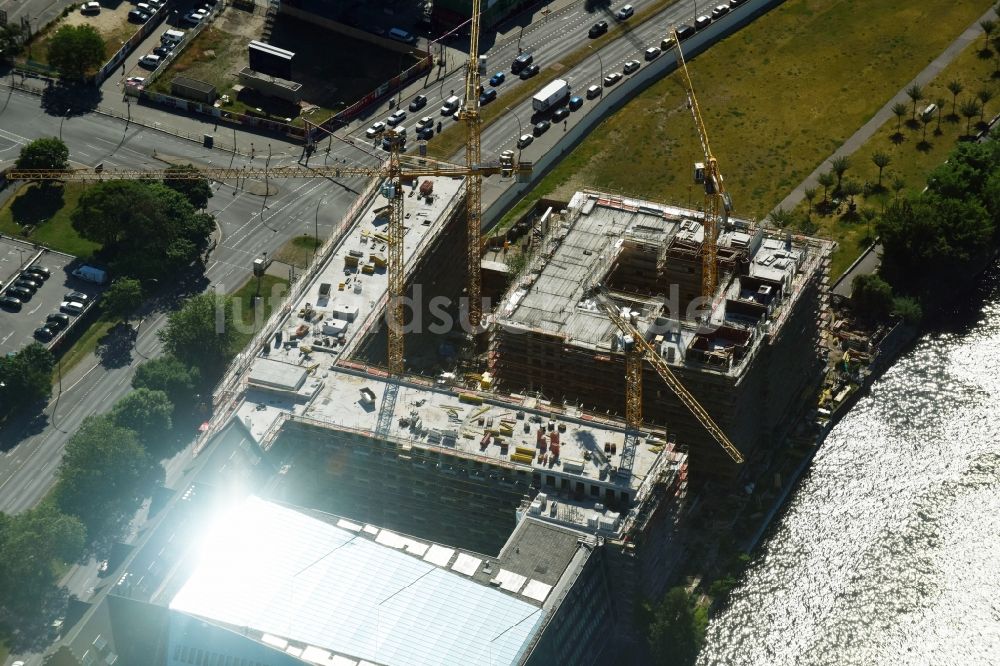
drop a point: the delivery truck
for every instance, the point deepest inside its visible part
(550, 96)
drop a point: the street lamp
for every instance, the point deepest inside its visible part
(520, 128)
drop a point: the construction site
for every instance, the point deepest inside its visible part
(562, 438)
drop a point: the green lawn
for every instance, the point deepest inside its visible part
(777, 98)
(913, 153)
(298, 251)
(272, 289)
(86, 344)
(41, 214)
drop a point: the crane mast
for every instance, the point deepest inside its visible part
(474, 183)
(717, 202)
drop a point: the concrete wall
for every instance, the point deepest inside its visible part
(616, 97)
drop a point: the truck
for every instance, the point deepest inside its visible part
(550, 95)
(91, 274)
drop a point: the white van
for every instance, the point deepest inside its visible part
(451, 105)
(172, 37)
(401, 35)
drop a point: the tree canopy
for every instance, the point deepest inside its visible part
(167, 374)
(122, 298)
(10, 41)
(104, 474)
(677, 631)
(76, 51)
(147, 229)
(147, 413)
(196, 190)
(30, 545)
(26, 378)
(871, 297)
(202, 333)
(47, 152)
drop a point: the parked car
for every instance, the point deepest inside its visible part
(396, 118)
(90, 8)
(135, 80)
(20, 293)
(612, 78)
(57, 321)
(528, 72)
(41, 271)
(630, 66)
(419, 102)
(736, 3)
(145, 8)
(33, 277)
(162, 51)
(720, 11)
(652, 53)
(150, 61)
(194, 17)
(593, 91)
(488, 96)
(71, 306)
(598, 29)
(625, 12)
(426, 121)
(10, 303)
(44, 333)
(667, 43)
(575, 102)
(702, 22)
(498, 78)
(375, 130)
(137, 16)
(525, 141)
(541, 127)
(77, 296)
(30, 285)
(425, 132)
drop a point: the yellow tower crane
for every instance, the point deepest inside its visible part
(394, 170)
(717, 201)
(474, 184)
(637, 349)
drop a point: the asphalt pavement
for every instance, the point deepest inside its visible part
(249, 225)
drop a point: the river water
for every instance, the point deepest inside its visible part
(889, 551)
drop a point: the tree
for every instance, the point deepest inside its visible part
(984, 96)
(45, 153)
(898, 185)
(202, 332)
(76, 51)
(147, 229)
(826, 181)
(988, 26)
(196, 190)
(25, 378)
(810, 195)
(915, 93)
(165, 373)
(780, 217)
(122, 298)
(147, 413)
(899, 110)
(871, 297)
(881, 159)
(840, 165)
(955, 87)
(31, 543)
(10, 41)
(103, 476)
(677, 631)
(851, 188)
(908, 309)
(969, 110)
(940, 109)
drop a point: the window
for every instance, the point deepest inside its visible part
(198, 658)
(550, 480)
(595, 491)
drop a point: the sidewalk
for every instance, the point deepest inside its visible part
(858, 139)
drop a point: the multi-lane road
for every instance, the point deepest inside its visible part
(247, 228)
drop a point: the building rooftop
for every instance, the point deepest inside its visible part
(323, 588)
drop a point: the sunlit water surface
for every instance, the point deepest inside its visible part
(889, 551)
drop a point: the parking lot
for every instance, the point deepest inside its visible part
(17, 328)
